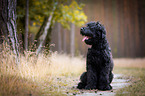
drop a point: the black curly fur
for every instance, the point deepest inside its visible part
(99, 59)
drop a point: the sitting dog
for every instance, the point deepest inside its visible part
(99, 63)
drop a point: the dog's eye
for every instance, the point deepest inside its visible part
(92, 27)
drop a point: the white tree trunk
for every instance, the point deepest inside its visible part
(43, 36)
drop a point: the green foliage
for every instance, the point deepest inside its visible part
(64, 14)
(71, 13)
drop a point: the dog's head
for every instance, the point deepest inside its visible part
(94, 32)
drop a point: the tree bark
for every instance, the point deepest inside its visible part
(26, 25)
(8, 25)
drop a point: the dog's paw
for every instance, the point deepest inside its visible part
(109, 87)
(89, 87)
(81, 86)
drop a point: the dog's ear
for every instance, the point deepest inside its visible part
(103, 32)
(98, 22)
(101, 28)
(103, 35)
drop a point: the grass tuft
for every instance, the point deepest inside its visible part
(37, 75)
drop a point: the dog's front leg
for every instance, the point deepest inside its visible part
(91, 79)
(104, 83)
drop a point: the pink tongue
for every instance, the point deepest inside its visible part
(85, 38)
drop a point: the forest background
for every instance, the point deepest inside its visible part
(123, 20)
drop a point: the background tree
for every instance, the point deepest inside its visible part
(26, 24)
(72, 40)
(8, 26)
(42, 37)
(59, 37)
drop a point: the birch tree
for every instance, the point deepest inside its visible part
(53, 11)
(42, 38)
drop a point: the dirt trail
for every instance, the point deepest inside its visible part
(68, 86)
(118, 82)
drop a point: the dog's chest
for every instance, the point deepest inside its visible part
(94, 58)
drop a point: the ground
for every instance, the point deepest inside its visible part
(119, 82)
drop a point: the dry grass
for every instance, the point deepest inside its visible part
(128, 66)
(130, 63)
(36, 76)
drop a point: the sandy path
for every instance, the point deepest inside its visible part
(68, 86)
(118, 82)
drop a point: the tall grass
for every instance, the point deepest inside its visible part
(130, 62)
(35, 75)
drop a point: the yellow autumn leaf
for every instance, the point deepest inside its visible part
(34, 23)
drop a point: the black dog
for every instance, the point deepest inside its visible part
(99, 59)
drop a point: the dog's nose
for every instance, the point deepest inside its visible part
(81, 31)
